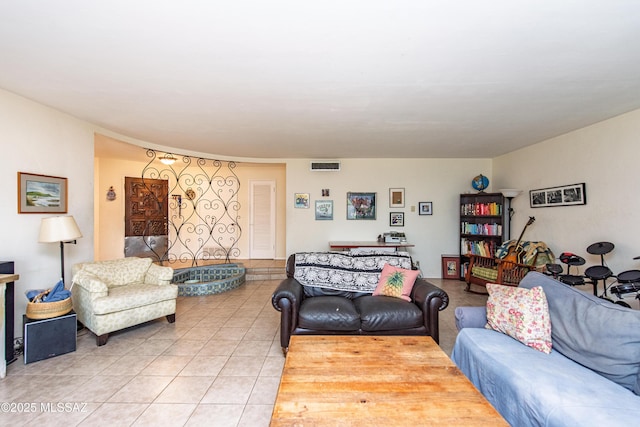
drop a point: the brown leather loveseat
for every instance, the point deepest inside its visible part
(314, 311)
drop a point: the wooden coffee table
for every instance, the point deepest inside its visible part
(375, 381)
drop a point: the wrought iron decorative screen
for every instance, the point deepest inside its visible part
(203, 207)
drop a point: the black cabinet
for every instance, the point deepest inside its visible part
(481, 226)
(6, 267)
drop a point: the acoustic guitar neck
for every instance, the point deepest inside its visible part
(514, 253)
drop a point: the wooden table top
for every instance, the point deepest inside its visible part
(6, 278)
(375, 381)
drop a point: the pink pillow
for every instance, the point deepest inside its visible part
(521, 313)
(396, 282)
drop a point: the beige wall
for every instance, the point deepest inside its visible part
(40, 140)
(425, 180)
(110, 214)
(606, 157)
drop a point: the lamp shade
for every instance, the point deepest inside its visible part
(58, 229)
(510, 192)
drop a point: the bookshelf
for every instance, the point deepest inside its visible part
(481, 226)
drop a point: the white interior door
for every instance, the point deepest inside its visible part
(262, 220)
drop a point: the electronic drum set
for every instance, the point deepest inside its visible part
(626, 283)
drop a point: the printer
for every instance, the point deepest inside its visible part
(394, 237)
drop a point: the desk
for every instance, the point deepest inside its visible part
(372, 245)
(364, 380)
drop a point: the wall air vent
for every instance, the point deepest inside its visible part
(325, 166)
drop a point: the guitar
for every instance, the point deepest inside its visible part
(515, 252)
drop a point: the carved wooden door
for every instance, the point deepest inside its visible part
(146, 209)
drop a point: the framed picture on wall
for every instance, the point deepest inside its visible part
(324, 210)
(396, 197)
(396, 219)
(361, 205)
(425, 208)
(566, 195)
(41, 193)
(301, 200)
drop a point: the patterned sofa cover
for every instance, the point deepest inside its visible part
(331, 293)
(112, 295)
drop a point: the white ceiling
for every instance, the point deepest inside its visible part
(327, 79)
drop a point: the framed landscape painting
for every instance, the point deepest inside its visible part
(41, 193)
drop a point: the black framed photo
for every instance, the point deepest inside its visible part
(396, 219)
(565, 195)
(425, 208)
(361, 205)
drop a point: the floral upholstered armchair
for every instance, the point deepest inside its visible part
(112, 295)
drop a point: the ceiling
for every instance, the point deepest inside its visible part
(327, 79)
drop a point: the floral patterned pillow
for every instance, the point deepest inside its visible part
(396, 282)
(521, 313)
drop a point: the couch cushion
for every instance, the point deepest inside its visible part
(119, 272)
(396, 282)
(329, 313)
(382, 313)
(313, 291)
(596, 333)
(521, 313)
(530, 388)
(122, 298)
(486, 273)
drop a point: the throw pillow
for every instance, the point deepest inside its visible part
(396, 282)
(521, 313)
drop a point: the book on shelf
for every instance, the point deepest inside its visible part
(481, 209)
(481, 229)
(478, 247)
(465, 267)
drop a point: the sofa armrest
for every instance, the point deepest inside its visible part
(471, 317)
(90, 283)
(431, 299)
(158, 275)
(287, 299)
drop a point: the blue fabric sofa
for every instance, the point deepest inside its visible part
(591, 377)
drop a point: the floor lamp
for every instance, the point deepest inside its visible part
(61, 229)
(509, 194)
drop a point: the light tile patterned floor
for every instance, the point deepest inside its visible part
(218, 365)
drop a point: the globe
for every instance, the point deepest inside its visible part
(480, 182)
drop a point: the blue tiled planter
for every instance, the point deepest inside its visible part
(208, 279)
